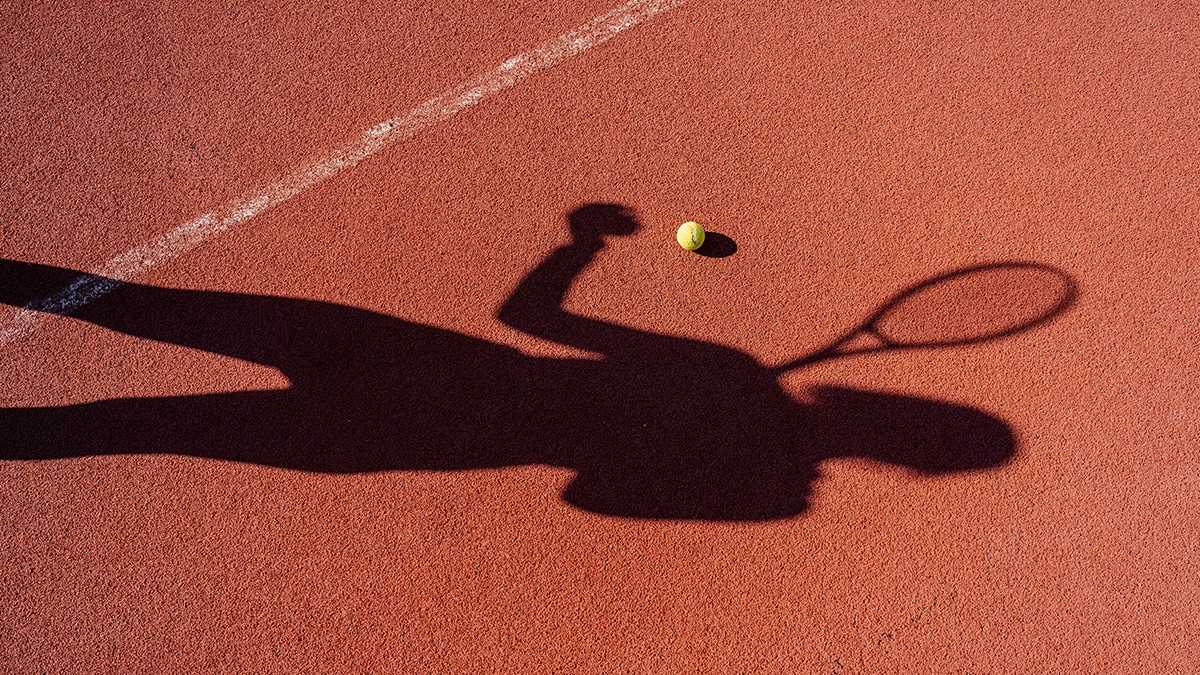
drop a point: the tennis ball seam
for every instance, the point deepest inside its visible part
(690, 236)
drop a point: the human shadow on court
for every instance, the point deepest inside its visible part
(661, 427)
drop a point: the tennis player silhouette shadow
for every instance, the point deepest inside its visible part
(660, 427)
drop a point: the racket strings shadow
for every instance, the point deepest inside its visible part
(964, 307)
(647, 435)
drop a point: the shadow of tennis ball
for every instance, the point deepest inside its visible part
(717, 245)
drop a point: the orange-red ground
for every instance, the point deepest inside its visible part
(849, 151)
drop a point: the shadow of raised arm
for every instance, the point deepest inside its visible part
(535, 307)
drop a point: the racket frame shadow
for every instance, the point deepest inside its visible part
(868, 327)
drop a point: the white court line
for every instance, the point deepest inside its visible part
(90, 287)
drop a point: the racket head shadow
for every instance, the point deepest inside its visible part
(973, 305)
(962, 307)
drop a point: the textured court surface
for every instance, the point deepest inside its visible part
(396, 424)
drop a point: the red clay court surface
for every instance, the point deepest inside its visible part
(405, 421)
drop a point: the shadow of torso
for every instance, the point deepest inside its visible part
(681, 429)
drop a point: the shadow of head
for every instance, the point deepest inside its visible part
(592, 221)
(929, 437)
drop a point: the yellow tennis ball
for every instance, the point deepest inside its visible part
(690, 236)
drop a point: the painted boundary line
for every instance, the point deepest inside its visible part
(125, 267)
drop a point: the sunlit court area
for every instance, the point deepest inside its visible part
(659, 337)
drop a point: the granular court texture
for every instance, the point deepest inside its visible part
(467, 407)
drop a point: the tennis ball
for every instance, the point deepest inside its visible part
(690, 236)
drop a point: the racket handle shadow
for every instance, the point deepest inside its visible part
(850, 344)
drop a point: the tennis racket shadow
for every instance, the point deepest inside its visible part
(968, 306)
